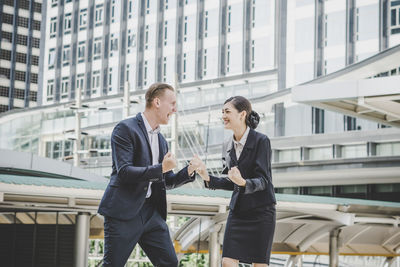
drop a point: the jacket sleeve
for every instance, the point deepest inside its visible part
(174, 180)
(123, 152)
(219, 183)
(262, 168)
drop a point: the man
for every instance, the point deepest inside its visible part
(134, 202)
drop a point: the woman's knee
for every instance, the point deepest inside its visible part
(229, 262)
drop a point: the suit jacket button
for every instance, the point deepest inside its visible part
(145, 188)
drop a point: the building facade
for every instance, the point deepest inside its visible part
(20, 62)
(210, 51)
(96, 47)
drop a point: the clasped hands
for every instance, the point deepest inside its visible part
(196, 164)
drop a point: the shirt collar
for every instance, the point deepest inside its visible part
(148, 127)
(244, 137)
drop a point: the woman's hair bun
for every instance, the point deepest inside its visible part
(253, 119)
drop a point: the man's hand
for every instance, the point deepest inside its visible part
(235, 176)
(196, 164)
(169, 162)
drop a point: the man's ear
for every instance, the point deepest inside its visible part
(156, 102)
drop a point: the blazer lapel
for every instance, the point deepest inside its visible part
(248, 146)
(161, 150)
(233, 159)
(143, 128)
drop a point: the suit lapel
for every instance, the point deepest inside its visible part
(248, 146)
(143, 128)
(161, 150)
(233, 160)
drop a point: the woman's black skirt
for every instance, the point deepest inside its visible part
(249, 235)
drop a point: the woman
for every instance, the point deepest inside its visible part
(251, 221)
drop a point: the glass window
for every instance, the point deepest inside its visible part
(367, 16)
(320, 153)
(66, 54)
(52, 57)
(81, 52)
(95, 81)
(50, 89)
(131, 40)
(304, 34)
(80, 82)
(99, 15)
(205, 24)
(318, 120)
(67, 23)
(304, 2)
(353, 189)
(395, 17)
(289, 155)
(354, 151)
(388, 149)
(57, 149)
(68, 148)
(381, 188)
(289, 190)
(146, 37)
(114, 44)
(97, 48)
(110, 77)
(48, 150)
(335, 35)
(64, 87)
(53, 27)
(321, 190)
(83, 19)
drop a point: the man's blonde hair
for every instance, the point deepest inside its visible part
(156, 90)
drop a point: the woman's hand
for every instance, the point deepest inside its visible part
(202, 171)
(235, 176)
(198, 165)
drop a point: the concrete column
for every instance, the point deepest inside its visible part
(291, 261)
(300, 261)
(77, 144)
(294, 260)
(214, 247)
(127, 102)
(391, 262)
(81, 246)
(334, 248)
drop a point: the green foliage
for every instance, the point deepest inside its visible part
(194, 260)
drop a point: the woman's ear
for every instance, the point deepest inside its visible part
(243, 115)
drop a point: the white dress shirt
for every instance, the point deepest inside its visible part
(240, 144)
(155, 149)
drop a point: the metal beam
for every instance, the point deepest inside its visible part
(390, 238)
(356, 234)
(315, 236)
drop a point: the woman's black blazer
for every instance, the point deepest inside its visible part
(255, 166)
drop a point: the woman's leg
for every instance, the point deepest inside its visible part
(229, 262)
(260, 265)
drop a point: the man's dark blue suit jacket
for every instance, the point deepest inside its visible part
(132, 170)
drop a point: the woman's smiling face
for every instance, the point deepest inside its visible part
(231, 117)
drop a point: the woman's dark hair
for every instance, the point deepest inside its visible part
(241, 103)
